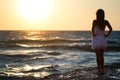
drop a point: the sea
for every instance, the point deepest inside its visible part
(41, 53)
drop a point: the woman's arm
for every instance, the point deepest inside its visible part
(110, 28)
(93, 25)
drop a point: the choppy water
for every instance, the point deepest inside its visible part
(40, 53)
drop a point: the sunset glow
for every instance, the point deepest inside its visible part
(34, 10)
(56, 14)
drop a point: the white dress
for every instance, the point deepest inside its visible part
(99, 41)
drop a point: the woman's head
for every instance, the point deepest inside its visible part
(100, 14)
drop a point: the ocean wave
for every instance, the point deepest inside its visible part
(89, 73)
(51, 40)
(15, 55)
(113, 42)
(28, 70)
(32, 55)
(61, 46)
(56, 43)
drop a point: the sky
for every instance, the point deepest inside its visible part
(56, 14)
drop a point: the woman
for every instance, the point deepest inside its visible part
(99, 38)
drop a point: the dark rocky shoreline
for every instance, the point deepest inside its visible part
(112, 72)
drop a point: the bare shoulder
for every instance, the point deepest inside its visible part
(94, 21)
(106, 22)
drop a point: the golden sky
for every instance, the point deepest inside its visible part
(56, 14)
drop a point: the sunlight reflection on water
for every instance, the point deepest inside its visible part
(27, 71)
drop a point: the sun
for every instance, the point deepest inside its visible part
(34, 10)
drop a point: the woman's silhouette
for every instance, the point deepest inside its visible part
(99, 38)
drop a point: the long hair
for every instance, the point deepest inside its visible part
(100, 18)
